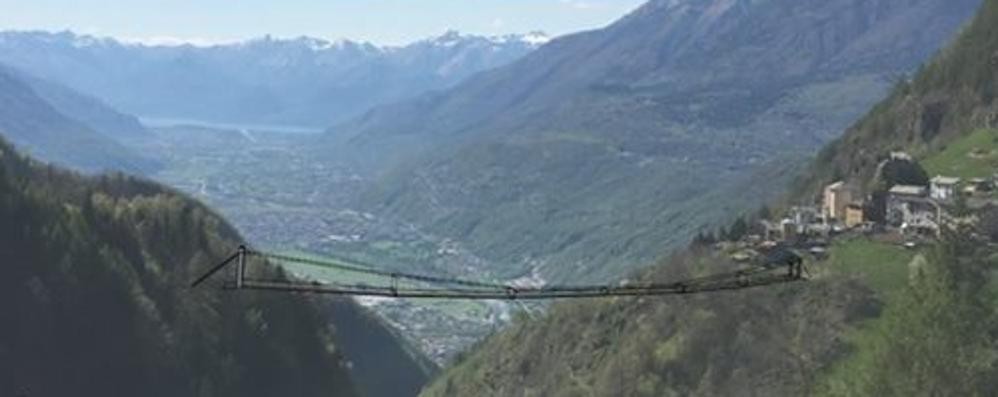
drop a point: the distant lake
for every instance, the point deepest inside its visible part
(160, 122)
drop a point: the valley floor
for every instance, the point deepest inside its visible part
(282, 200)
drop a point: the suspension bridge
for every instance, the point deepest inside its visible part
(785, 268)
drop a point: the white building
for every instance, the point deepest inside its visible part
(804, 215)
(943, 187)
(909, 208)
(903, 156)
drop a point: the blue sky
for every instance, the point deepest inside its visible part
(378, 21)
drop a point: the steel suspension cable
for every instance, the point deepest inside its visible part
(470, 283)
(677, 288)
(377, 272)
(467, 289)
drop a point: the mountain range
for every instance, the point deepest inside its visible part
(300, 81)
(603, 149)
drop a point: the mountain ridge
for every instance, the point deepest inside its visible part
(30, 121)
(302, 80)
(670, 102)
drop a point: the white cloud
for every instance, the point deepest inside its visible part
(498, 23)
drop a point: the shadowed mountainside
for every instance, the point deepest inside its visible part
(95, 299)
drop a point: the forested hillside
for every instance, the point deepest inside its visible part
(875, 319)
(94, 300)
(837, 335)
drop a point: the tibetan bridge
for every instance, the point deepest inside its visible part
(780, 268)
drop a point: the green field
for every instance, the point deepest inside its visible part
(333, 275)
(884, 267)
(326, 273)
(881, 266)
(973, 156)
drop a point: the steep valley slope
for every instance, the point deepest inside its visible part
(59, 125)
(876, 319)
(602, 150)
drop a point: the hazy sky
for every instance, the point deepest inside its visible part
(379, 21)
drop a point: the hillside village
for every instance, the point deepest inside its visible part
(902, 206)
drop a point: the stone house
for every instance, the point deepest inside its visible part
(855, 215)
(835, 199)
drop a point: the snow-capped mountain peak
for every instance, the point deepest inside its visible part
(299, 79)
(536, 38)
(450, 38)
(453, 38)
